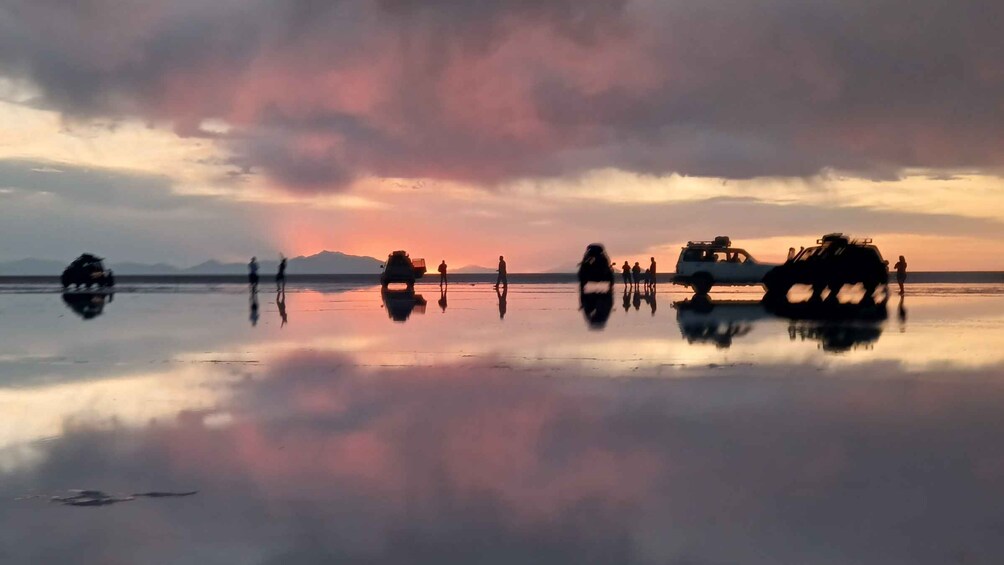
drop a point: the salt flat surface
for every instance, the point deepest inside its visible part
(491, 428)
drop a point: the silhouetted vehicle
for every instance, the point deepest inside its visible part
(704, 264)
(400, 268)
(596, 307)
(86, 270)
(87, 305)
(595, 266)
(401, 303)
(836, 261)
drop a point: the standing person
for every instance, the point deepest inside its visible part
(636, 273)
(626, 273)
(651, 272)
(442, 274)
(280, 275)
(791, 253)
(502, 278)
(253, 274)
(900, 272)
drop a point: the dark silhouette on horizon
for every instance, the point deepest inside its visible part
(626, 274)
(401, 268)
(502, 278)
(87, 270)
(836, 261)
(651, 273)
(636, 275)
(280, 274)
(900, 273)
(595, 267)
(280, 302)
(253, 274)
(442, 274)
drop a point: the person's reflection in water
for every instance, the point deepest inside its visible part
(637, 300)
(442, 298)
(650, 299)
(901, 313)
(627, 298)
(254, 306)
(280, 301)
(502, 292)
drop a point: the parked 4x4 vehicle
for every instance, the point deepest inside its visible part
(836, 261)
(595, 266)
(704, 264)
(86, 270)
(400, 268)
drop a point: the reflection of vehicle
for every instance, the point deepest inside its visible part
(703, 264)
(400, 268)
(596, 307)
(401, 303)
(704, 321)
(87, 305)
(87, 270)
(837, 326)
(835, 262)
(595, 266)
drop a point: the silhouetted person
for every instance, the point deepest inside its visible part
(636, 273)
(791, 253)
(626, 274)
(502, 278)
(442, 273)
(254, 307)
(900, 272)
(253, 273)
(280, 302)
(502, 299)
(651, 272)
(442, 298)
(280, 274)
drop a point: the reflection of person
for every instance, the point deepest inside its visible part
(627, 298)
(253, 273)
(626, 273)
(502, 300)
(636, 301)
(254, 306)
(901, 312)
(280, 302)
(442, 273)
(650, 298)
(280, 274)
(900, 272)
(442, 298)
(502, 278)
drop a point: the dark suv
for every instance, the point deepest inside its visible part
(595, 266)
(400, 268)
(87, 270)
(836, 261)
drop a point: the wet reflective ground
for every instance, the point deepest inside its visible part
(343, 425)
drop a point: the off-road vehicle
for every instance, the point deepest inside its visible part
(400, 268)
(86, 270)
(595, 266)
(704, 264)
(835, 261)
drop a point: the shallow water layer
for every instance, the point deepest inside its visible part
(334, 423)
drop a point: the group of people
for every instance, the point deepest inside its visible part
(280, 274)
(635, 276)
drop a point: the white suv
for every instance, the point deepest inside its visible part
(703, 264)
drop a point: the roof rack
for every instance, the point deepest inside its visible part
(719, 241)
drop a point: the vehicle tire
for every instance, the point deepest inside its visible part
(702, 283)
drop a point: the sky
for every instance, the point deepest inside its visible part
(185, 130)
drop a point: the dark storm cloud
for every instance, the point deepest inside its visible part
(490, 91)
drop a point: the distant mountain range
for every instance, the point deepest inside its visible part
(323, 263)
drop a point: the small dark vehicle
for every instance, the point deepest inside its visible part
(836, 261)
(87, 305)
(400, 268)
(87, 270)
(595, 266)
(596, 307)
